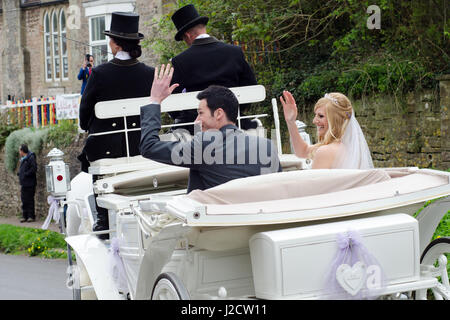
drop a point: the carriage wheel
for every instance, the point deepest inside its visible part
(169, 287)
(436, 255)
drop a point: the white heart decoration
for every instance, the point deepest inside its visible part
(351, 279)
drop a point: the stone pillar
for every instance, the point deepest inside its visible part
(148, 10)
(13, 73)
(444, 94)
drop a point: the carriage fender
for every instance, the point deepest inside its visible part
(429, 219)
(80, 186)
(156, 256)
(95, 257)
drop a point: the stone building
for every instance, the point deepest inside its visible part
(43, 42)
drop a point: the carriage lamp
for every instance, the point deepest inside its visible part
(57, 174)
(301, 126)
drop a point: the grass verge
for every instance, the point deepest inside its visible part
(33, 242)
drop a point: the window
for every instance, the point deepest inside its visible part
(98, 41)
(55, 46)
(62, 32)
(47, 48)
(99, 14)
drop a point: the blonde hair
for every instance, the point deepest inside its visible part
(338, 110)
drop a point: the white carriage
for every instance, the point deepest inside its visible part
(264, 237)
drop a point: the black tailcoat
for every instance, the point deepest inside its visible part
(116, 79)
(206, 62)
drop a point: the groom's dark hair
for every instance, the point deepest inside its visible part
(221, 97)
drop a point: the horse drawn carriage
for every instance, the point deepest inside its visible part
(296, 234)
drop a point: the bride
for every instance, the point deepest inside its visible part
(341, 141)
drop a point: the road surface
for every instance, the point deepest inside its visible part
(33, 278)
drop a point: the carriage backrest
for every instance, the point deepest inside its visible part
(175, 102)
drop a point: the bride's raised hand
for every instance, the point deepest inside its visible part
(289, 106)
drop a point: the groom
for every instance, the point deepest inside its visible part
(220, 153)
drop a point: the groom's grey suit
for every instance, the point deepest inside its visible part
(214, 157)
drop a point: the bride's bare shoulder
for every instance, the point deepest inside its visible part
(325, 154)
(328, 149)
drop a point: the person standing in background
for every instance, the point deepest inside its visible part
(27, 179)
(86, 70)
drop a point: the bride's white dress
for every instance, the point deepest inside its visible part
(355, 153)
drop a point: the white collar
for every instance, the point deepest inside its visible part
(122, 55)
(202, 36)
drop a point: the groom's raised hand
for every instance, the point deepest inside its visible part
(160, 87)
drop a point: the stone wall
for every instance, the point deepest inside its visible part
(444, 106)
(13, 74)
(1, 56)
(33, 51)
(10, 203)
(148, 10)
(402, 133)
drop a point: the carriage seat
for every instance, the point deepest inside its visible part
(126, 164)
(287, 185)
(175, 102)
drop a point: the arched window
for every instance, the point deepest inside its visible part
(62, 31)
(55, 44)
(47, 48)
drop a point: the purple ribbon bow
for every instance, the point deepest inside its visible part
(350, 251)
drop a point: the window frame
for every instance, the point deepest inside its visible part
(46, 56)
(63, 37)
(56, 55)
(94, 43)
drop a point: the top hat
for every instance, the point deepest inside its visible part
(185, 18)
(124, 25)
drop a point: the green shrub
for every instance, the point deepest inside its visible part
(6, 127)
(5, 131)
(34, 242)
(63, 134)
(34, 138)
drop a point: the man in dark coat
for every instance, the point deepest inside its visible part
(116, 79)
(121, 78)
(27, 179)
(206, 62)
(220, 153)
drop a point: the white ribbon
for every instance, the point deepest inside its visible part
(53, 212)
(117, 267)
